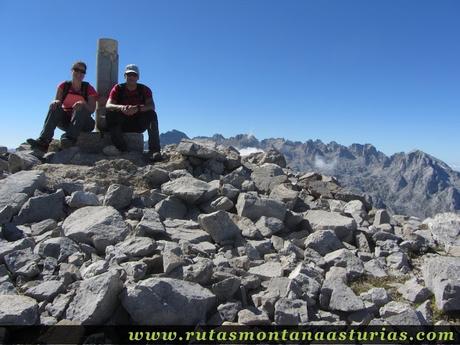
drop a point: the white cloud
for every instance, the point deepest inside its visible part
(248, 150)
(324, 166)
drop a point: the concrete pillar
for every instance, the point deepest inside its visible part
(107, 75)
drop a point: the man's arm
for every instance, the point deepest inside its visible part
(149, 105)
(111, 105)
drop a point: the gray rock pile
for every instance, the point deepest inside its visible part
(208, 237)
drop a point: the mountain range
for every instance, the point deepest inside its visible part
(413, 183)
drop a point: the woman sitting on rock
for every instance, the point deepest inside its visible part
(70, 111)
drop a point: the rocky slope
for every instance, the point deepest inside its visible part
(206, 237)
(412, 183)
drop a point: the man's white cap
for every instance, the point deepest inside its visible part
(131, 68)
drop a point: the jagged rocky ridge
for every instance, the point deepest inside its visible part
(207, 237)
(412, 183)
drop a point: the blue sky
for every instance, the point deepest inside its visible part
(382, 72)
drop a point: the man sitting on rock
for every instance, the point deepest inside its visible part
(130, 108)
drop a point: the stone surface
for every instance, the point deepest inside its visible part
(336, 295)
(442, 277)
(267, 176)
(18, 310)
(323, 220)
(99, 226)
(253, 316)
(268, 270)
(189, 189)
(81, 199)
(323, 241)
(171, 207)
(269, 226)
(15, 189)
(118, 196)
(445, 228)
(45, 291)
(59, 248)
(166, 301)
(254, 207)
(220, 226)
(150, 224)
(42, 207)
(22, 160)
(23, 262)
(95, 299)
(414, 292)
(137, 247)
(291, 312)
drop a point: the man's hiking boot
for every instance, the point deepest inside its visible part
(154, 157)
(39, 143)
(67, 143)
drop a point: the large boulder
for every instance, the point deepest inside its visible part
(189, 189)
(336, 295)
(22, 160)
(118, 196)
(252, 206)
(18, 310)
(322, 220)
(95, 299)
(15, 189)
(59, 248)
(323, 241)
(200, 150)
(150, 224)
(42, 207)
(220, 226)
(99, 226)
(267, 176)
(166, 301)
(442, 277)
(445, 228)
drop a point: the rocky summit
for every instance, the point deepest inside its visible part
(209, 237)
(414, 183)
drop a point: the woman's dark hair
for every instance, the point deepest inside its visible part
(79, 63)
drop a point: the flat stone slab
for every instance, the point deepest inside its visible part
(95, 142)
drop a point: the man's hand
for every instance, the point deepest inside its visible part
(79, 105)
(129, 110)
(55, 104)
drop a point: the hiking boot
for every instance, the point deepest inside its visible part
(39, 143)
(67, 143)
(153, 157)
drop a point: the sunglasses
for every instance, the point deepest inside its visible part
(131, 74)
(79, 70)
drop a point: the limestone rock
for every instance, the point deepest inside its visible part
(220, 226)
(42, 207)
(95, 299)
(118, 196)
(254, 207)
(18, 310)
(189, 189)
(99, 226)
(166, 301)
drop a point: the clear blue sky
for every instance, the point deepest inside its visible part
(385, 72)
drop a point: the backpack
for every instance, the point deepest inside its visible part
(83, 92)
(121, 92)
